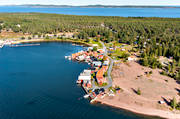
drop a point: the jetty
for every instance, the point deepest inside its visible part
(23, 45)
(93, 80)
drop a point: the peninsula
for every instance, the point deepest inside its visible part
(134, 62)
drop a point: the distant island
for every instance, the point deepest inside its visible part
(93, 6)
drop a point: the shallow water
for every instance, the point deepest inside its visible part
(37, 82)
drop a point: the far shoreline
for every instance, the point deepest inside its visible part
(52, 40)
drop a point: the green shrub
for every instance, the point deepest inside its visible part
(139, 91)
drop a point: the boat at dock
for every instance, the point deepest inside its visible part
(68, 57)
(93, 100)
(86, 96)
(2, 45)
(78, 81)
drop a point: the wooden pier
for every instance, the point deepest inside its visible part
(23, 45)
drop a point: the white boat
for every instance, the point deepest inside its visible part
(1, 45)
(93, 100)
(78, 81)
(86, 96)
(69, 58)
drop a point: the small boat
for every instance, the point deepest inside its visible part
(1, 45)
(69, 58)
(78, 81)
(86, 96)
(93, 100)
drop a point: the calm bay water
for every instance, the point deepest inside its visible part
(39, 83)
(124, 12)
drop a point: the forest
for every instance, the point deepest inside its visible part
(153, 37)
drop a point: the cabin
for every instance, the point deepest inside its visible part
(90, 48)
(81, 58)
(132, 58)
(18, 25)
(123, 49)
(106, 63)
(95, 45)
(100, 56)
(101, 51)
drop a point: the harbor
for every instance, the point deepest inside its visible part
(12, 43)
(43, 82)
(95, 80)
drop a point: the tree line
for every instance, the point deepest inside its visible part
(153, 37)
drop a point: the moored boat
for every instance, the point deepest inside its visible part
(1, 45)
(86, 96)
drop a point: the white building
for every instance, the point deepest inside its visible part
(85, 76)
(132, 58)
(123, 49)
(90, 48)
(18, 25)
(97, 63)
(106, 62)
(87, 72)
(81, 57)
(95, 45)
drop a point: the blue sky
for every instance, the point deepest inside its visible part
(92, 2)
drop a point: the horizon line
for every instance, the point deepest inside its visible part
(80, 5)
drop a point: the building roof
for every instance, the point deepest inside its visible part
(97, 63)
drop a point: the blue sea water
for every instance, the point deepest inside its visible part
(37, 82)
(124, 12)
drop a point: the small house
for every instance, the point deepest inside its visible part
(97, 63)
(95, 45)
(106, 63)
(132, 58)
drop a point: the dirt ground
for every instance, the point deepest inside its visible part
(154, 88)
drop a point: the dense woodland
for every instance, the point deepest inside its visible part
(153, 37)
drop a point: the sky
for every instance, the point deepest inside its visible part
(91, 2)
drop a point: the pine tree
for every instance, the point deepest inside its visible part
(173, 103)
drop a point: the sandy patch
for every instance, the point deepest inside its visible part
(154, 88)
